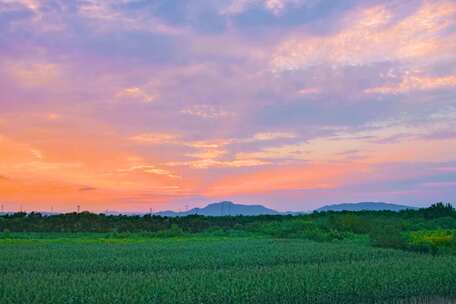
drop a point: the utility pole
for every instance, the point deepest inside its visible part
(78, 207)
(3, 208)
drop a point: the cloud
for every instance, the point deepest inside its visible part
(309, 91)
(37, 153)
(206, 111)
(155, 138)
(298, 151)
(206, 163)
(207, 154)
(372, 35)
(99, 10)
(166, 138)
(34, 74)
(411, 83)
(48, 166)
(276, 7)
(87, 189)
(441, 135)
(272, 136)
(108, 14)
(149, 169)
(214, 153)
(53, 116)
(150, 101)
(237, 7)
(135, 94)
(439, 184)
(32, 5)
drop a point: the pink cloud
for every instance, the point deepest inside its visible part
(415, 83)
(371, 36)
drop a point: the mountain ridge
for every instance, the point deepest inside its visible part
(364, 206)
(223, 208)
(228, 208)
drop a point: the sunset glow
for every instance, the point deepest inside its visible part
(135, 105)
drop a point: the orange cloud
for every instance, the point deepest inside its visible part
(149, 169)
(154, 138)
(205, 163)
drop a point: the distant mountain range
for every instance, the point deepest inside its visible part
(223, 209)
(230, 208)
(368, 206)
(226, 208)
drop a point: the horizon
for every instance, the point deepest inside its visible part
(206, 204)
(135, 105)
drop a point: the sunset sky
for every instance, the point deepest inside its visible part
(129, 105)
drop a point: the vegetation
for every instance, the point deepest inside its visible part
(400, 230)
(333, 257)
(96, 269)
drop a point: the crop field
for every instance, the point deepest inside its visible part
(100, 269)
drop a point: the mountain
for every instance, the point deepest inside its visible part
(368, 206)
(222, 209)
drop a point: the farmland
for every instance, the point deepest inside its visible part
(347, 257)
(102, 269)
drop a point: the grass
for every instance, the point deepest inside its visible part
(101, 268)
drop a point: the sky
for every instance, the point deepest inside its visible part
(135, 105)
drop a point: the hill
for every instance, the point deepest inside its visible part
(222, 209)
(367, 206)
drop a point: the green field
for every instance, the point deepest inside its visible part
(97, 268)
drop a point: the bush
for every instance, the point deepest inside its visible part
(431, 241)
(298, 228)
(349, 223)
(173, 231)
(388, 236)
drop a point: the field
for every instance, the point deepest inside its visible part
(101, 268)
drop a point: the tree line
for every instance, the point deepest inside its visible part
(439, 215)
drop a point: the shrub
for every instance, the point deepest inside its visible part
(388, 236)
(431, 241)
(172, 231)
(349, 223)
